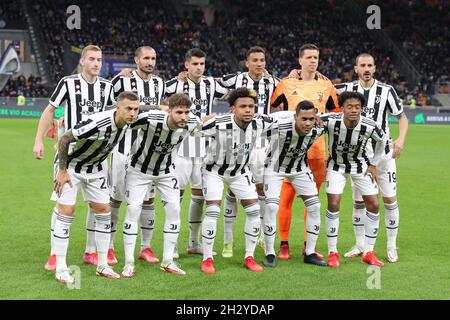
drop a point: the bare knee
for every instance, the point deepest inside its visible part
(66, 210)
(260, 189)
(197, 192)
(389, 200)
(100, 208)
(371, 203)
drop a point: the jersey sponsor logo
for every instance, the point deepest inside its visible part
(294, 152)
(91, 103)
(148, 100)
(369, 112)
(346, 147)
(162, 147)
(200, 102)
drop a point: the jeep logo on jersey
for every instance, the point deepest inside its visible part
(261, 98)
(162, 147)
(369, 111)
(91, 104)
(148, 100)
(200, 102)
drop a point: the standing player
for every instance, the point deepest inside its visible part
(381, 102)
(319, 90)
(84, 167)
(150, 162)
(348, 135)
(264, 84)
(234, 136)
(290, 140)
(150, 89)
(83, 94)
(202, 91)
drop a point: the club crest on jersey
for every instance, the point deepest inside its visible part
(320, 96)
(377, 98)
(102, 92)
(77, 88)
(107, 135)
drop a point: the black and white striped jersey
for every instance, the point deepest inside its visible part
(150, 92)
(287, 152)
(96, 137)
(202, 95)
(264, 88)
(157, 145)
(229, 151)
(348, 147)
(81, 98)
(381, 102)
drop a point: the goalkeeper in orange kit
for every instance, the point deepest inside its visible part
(308, 85)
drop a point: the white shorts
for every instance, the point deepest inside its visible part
(303, 183)
(242, 186)
(137, 185)
(256, 164)
(387, 178)
(189, 170)
(117, 177)
(94, 186)
(335, 183)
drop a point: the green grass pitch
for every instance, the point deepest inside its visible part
(422, 273)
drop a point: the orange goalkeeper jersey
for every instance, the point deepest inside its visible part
(320, 91)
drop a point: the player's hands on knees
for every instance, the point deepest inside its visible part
(128, 73)
(372, 173)
(38, 150)
(62, 178)
(398, 148)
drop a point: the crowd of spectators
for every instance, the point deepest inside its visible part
(31, 87)
(120, 29)
(422, 30)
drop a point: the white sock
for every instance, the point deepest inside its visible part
(171, 230)
(115, 209)
(209, 229)
(130, 231)
(147, 225)
(392, 218)
(102, 237)
(195, 219)
(61, 234)
(270, 224)
(312, 224)
(252, 226)
(332, 224)
(90, 231)
(262, 209)
(359, 211)
(229, 218)
(371, 225)
(52, 228)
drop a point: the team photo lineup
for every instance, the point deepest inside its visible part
(124, 141)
